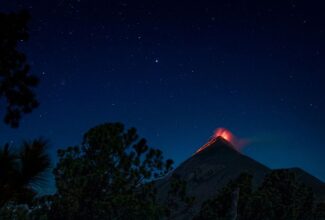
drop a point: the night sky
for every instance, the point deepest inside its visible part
(177, 70)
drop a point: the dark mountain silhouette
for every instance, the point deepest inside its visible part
(212, 168)
(317, 185)
(209, 170)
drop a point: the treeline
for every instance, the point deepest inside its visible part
(112, 173)
(280, 197)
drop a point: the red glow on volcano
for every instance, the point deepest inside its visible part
(225, 134)
(236, 143)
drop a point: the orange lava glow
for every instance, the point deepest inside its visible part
(225, 134)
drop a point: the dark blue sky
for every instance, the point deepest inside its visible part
(176, 70)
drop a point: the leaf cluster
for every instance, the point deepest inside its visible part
(16, 84)
(280, 197)
(21, 172)
(108, 176)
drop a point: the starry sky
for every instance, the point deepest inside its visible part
(177, 70)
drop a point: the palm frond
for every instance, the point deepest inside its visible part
(8, 163)
(8, 173)
(34, 162)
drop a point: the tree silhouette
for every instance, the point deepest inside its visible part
(16, 84)
(280, 197)
(21, 173)
(236, 193)
(319, 212)
(109, 176)
(178, 201)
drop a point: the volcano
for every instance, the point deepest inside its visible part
(211, 168)
(218, 162)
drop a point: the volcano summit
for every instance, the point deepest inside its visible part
(216, 163)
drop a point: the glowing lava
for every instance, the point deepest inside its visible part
(225, 134)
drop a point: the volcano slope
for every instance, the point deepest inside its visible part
(209, 170)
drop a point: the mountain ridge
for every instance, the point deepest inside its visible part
(210, 169)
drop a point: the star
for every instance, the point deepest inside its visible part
(63, 82)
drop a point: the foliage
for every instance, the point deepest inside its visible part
(219, 207)
(21, 172)
(113, 174)
(109, 176)
(16, 84)
(319, 212)
(14, 211)
(178, 199)
(38, 209)
(280, 197)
